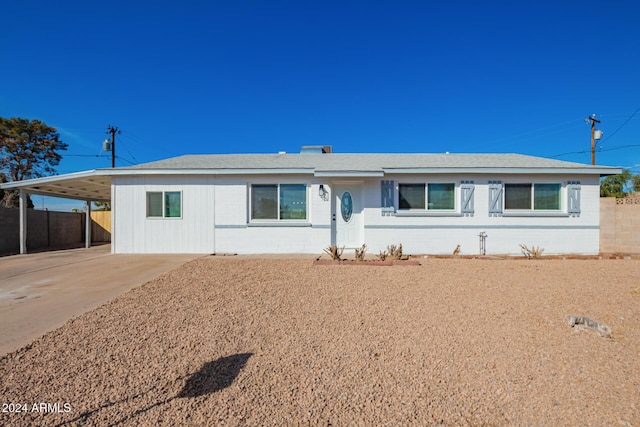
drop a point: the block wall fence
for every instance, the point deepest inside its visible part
(620, 225)
(50, 230)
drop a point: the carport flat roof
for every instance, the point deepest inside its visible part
(92, 185)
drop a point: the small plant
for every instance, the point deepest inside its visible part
(533, 252)
(334, 252)
(360, 252)
(395, 252)
(456, 251)
(383, 255)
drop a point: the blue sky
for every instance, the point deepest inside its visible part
(364, 76)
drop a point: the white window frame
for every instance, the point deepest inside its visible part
(279, 221)
(532, 210)
(426, 211)
(455, 197)
(426, 203)
(163, 216)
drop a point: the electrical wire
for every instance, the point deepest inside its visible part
(620, 147)
(607, 139)
(85, 155)
(155, 144)
(567, 154)
(127, 149)
(139, 138)
(126, 160)
(536, 133)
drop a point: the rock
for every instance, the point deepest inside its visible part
(587, 323)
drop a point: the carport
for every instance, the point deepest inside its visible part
(89, 186)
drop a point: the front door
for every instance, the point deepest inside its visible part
(347, 215)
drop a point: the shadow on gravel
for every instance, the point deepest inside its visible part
(215, 375)
(211, 377)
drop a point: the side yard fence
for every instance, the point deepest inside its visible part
(620, 225)
(51, 230)
(100, 226)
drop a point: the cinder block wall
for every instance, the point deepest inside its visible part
(66, 228)
(9, 231)
(45, 229)
(620, 225)
(38, 224)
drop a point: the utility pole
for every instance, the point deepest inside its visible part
(592, 119)
(112, 130)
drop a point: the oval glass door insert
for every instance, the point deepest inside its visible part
(346, 206)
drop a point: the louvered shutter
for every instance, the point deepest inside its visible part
(467, 190)
(573, 191)
(495, 198)
(387, 200)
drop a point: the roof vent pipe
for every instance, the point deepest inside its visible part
(316, 149)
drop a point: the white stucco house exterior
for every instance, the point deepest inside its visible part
(304, 202)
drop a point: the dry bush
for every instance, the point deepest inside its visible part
(533, 252)
(334, 252)
(394, 252)
(360, 252)
(383, 255)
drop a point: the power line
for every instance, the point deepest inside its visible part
(126, 132)
(620, 147)
(85, 155)
(155, 144)
(126, 148)
(621, 126)
(126, 160)
(537, 133)
(567, 154)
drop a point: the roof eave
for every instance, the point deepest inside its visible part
(602, 171)
(349, 174)
(202, 171)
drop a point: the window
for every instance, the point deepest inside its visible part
(546, 197)
(164, 204)
(524, 196)
(264, 202)
(517, 196)
(172, 204)
(154, 204)
(411, 196)
(293, 201)
(436, 196)
(279, 202)
(441, 196)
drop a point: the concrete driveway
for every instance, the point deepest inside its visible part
(40, 292)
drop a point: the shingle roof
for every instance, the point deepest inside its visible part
(362, 162)
(96, 184)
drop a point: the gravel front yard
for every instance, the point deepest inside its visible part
(239, 341)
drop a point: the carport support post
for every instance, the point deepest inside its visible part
(87, 233)
(23, 221)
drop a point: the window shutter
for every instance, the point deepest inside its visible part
(573, 191)
(495, 198)
(466, 192)
(387, 200)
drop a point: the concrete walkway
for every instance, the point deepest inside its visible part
(40, 292)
